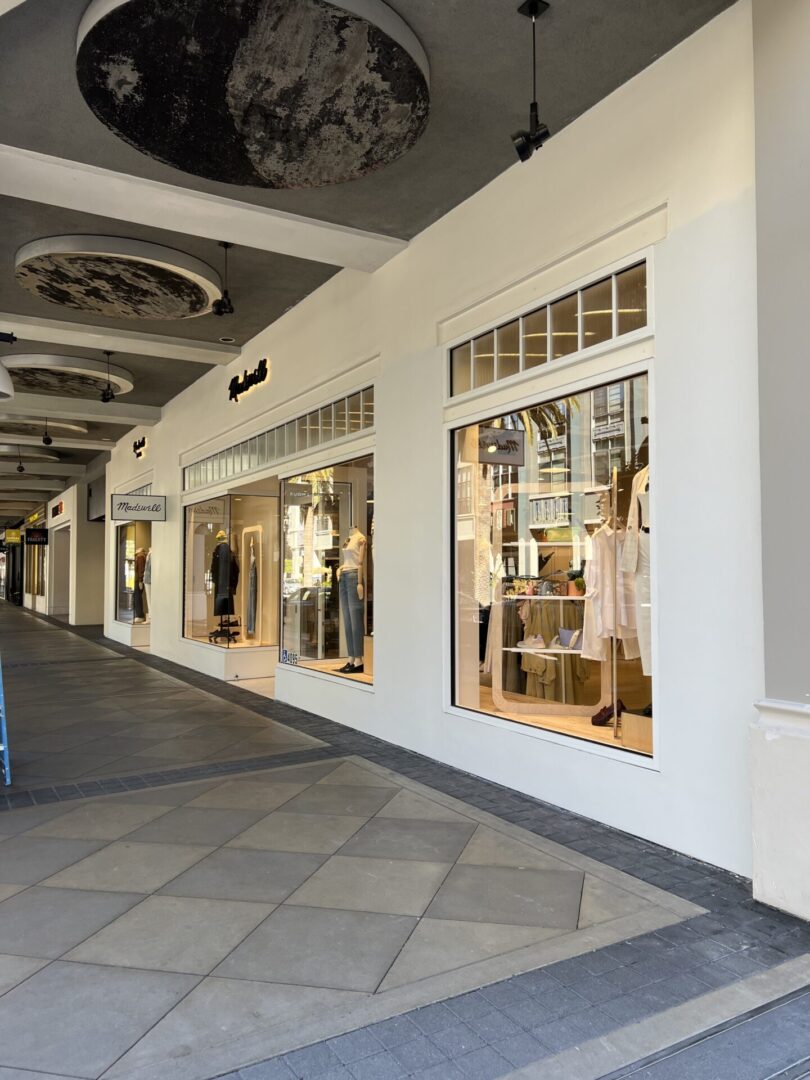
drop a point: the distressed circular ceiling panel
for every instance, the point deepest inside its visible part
(68, 376)
(27, 453)
(265, 93)
(117, 277)
(19, 425)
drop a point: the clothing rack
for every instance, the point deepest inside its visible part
(5, 760)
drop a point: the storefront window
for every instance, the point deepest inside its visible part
(231, 571)
(34, 571)
(328, 572)
(552, 566)
(134, 572)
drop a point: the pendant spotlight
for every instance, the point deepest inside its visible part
(8, 338)
(46, 439)
(526, 142)
(224, 306)
(20, 467)
(107, 394)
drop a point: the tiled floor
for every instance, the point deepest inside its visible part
(240, 908)
(313, 903)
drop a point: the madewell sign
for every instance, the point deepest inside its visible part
(138, 507)
(247, 381)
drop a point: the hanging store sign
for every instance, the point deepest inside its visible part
(137, 507)
(13, 536)
(36, 537)
(240, 384)
(499, 446)
(139, 447)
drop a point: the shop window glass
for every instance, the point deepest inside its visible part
(597, 313)
(261, 442)
(564, 326)
(340, 418)
(328, 570)
(368, 407)
(314, 427)
(355, 408)
(552, 621)
(461, 368)
(327, 425)
(290, 438)
(535, 338)
(231, 571)
(301, 437)
(134, 572)
(484, 360)
(509, 349)
(253, 453)
(631, 297)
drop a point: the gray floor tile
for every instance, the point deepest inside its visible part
(407, 804)
(456, 1040)
(265, 1070)
(13, 822)
(221, 1009)
(14, 969)
(350, 773)
(47, 922)
(314, 833)
(128, 867)
(484, 1064)
(312, 1061)
(89, 821)
(427, 841)
(345, 950)
(382, 1066)
(260, 794)
(76, 1019)
(165, 795)
(172, 933)
(548, 898)
(602, 902)
(491, 848)
(355, 1045)
(438, 945)
(241, 874)
(27, 860)
(187, 825)
(350, 800)
(392, 887)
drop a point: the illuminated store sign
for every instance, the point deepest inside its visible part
(247, 381)
(36, 537)
(139, 447)
(58, 509)
(13, 536)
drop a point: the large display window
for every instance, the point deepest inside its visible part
(552, 622)
(328, 572)
(134, 572)
(231, 571)
(34, 572)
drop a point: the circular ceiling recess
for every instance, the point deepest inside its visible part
(68, 376)
(117, 278)
(15, 425)
(264, 93)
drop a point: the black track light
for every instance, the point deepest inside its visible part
(8, 338)
(107, 394)
(20, 467)
(46, 439)
(526, 142)
(224, 306)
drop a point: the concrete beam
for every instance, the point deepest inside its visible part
(22, 481)
(58, 443)
(25, 174)
(38, 406)
(88, 336)
(46, 467)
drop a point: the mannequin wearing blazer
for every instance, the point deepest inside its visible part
(636, 560)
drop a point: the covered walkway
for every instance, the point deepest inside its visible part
(198, 881)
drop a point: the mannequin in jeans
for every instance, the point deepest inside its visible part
(351, 586)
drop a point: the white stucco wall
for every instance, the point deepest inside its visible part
(672, 152)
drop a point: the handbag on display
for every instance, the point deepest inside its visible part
(570, 639)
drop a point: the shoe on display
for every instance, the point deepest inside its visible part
(347, 667)
(605, 715)
(356, 669)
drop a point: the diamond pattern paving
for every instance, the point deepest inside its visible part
(250, 910)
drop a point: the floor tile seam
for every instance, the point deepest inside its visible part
(324, 752)
(713, 1032)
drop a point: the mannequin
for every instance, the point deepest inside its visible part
(224, 574)
(253, 591)
(147, 584)
(138, 609)
(351, 585)
(636, 560)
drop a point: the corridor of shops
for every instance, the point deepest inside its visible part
(198, 881)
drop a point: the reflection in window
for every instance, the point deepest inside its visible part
(631, 288)
(535, 338)
(564, 327)
(484, 360)
(509, 349)
(328, 570)
(461, 368)
(552, 556)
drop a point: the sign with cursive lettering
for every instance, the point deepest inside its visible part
(137, 507)
(139, 447)
(247, 381)
(501, 446)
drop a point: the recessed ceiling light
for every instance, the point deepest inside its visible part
(227, 340)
